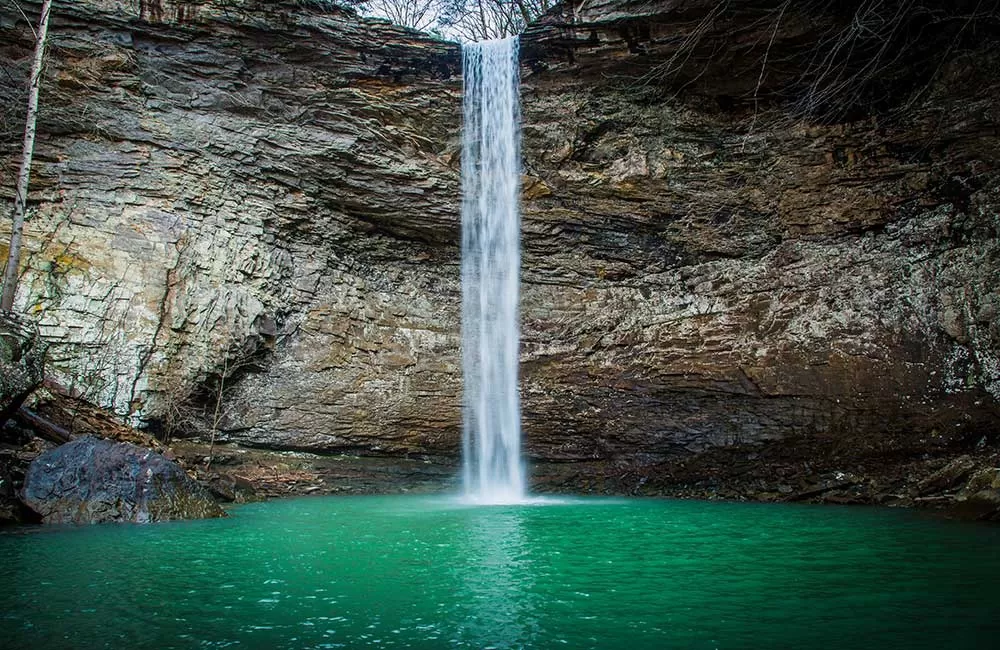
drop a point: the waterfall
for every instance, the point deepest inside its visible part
(491, 166)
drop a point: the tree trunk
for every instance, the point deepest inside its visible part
(42, 427)
(21, 194)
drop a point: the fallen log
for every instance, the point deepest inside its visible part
(45, 429)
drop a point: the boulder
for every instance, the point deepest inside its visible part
(980, 498)
(987, 478)
(947, 477)
(22, 361)
(91, 481)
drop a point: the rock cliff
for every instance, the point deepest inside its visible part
(709, 263)
(22, 363)
(234, 189)
(246, 215)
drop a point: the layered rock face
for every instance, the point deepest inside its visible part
(248, 217)
(242, 184)
(706, 265)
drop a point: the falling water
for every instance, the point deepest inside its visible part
(491, 164)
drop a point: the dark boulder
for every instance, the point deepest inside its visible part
(22, 361)
(91, 481)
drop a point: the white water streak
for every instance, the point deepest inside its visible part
(493, 471)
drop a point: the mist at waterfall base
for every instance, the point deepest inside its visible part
(428, 572)
(493, 472)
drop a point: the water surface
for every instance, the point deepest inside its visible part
(430, 572)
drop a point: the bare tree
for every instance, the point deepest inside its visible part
(28, 148)
(481, 20)
(217, 412)
(418, 14)
(467, 20)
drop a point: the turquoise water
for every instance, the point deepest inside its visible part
(428, 572)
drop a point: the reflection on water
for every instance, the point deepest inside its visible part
(497, 580)
(432, 573)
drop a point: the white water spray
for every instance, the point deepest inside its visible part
(491, 256)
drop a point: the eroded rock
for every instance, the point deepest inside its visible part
(272, 198)
(984, 505)
(947, 477)
(13, 465)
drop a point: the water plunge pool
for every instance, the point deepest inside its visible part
(432, 572)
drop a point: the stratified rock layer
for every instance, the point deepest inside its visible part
(248, 220)
(267, 186)
(89, 481)
(704, 267)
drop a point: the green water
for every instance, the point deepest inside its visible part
(427, 572)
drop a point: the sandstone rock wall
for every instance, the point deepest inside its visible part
(22, 363)
(262, 204)
(268, 184)
(708, 267)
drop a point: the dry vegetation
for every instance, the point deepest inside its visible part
(826, 59)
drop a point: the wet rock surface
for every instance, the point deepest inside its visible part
(843, 470)
(93, 481)
(14, 462)
(705, 267)
(246, 220)
(238, 474)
